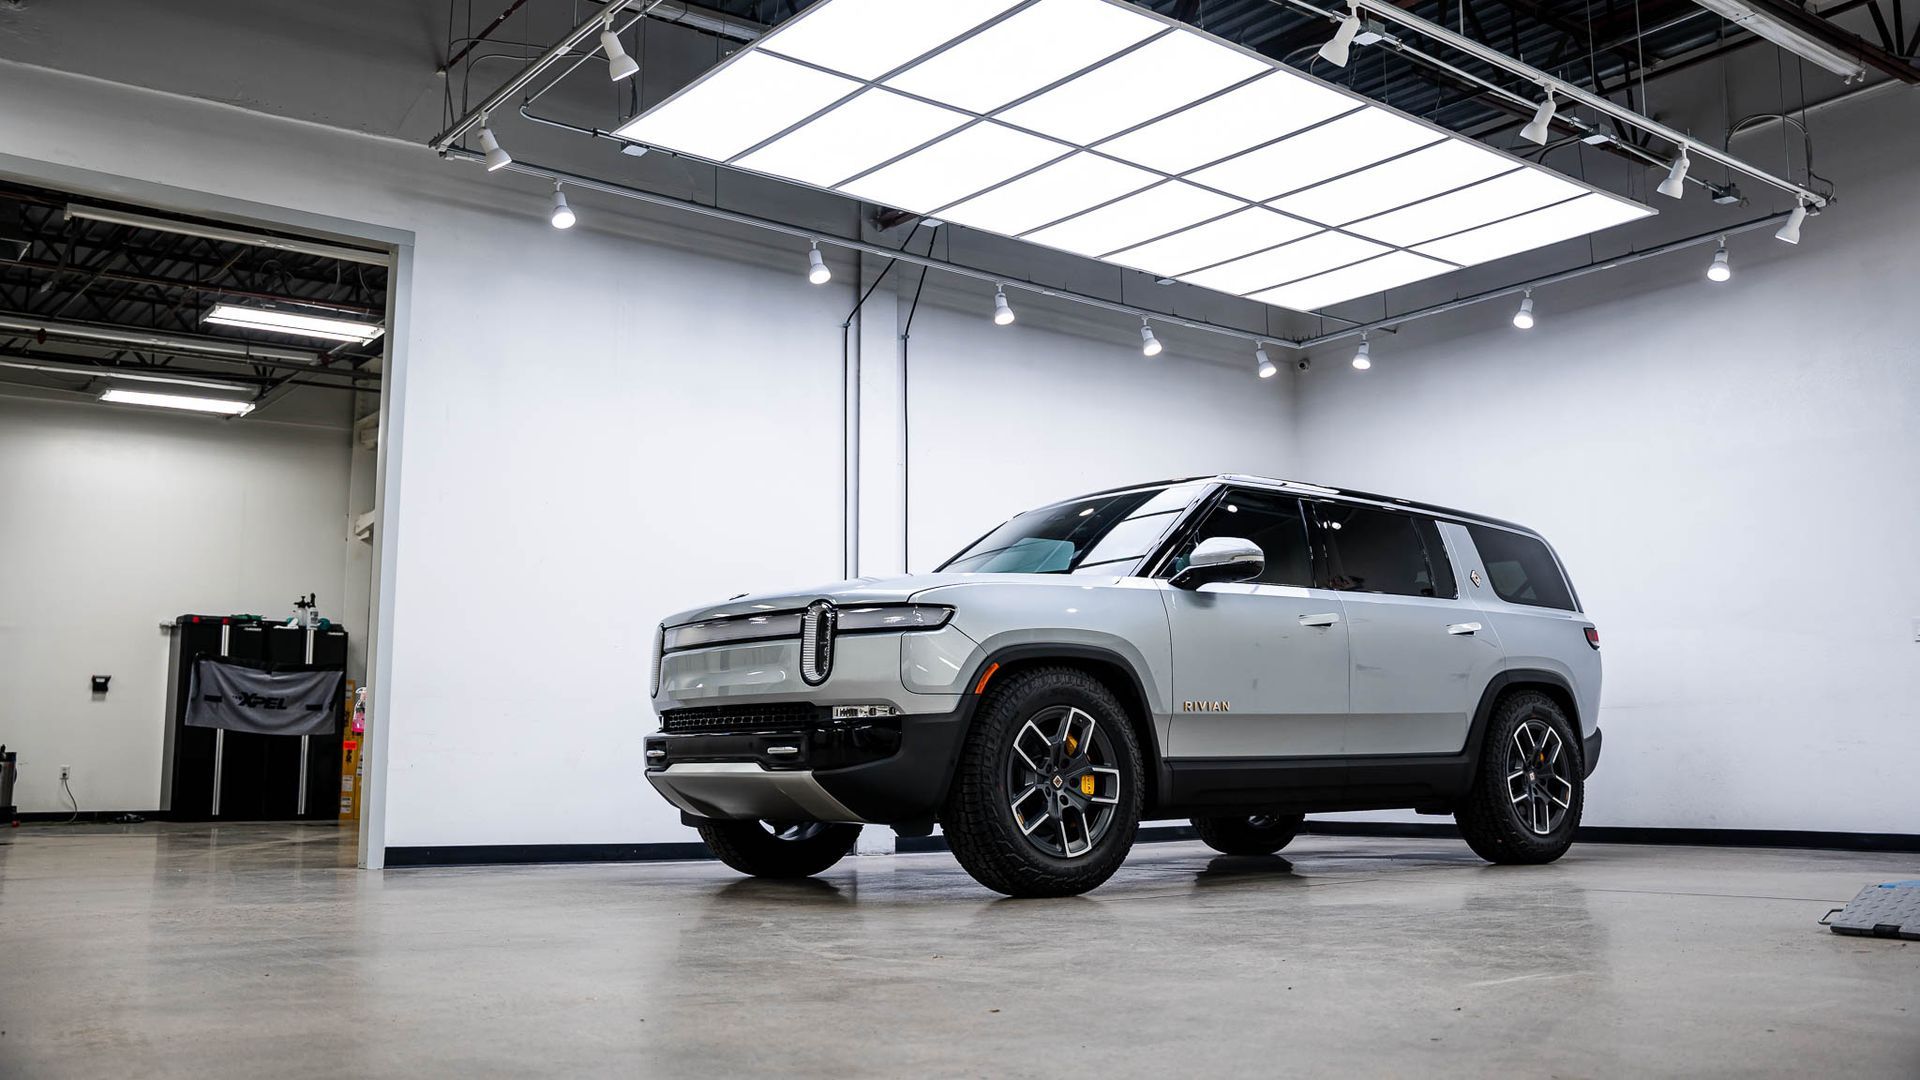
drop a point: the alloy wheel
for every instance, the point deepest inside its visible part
(1062, 771)
(1539, 777)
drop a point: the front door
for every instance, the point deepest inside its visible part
(1260, 667)
(1420, 652)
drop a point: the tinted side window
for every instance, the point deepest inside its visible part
(1271, 521)
(1521, 569)
(1384, 552)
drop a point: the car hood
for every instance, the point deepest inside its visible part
(866, 590)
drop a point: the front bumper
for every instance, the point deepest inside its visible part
(893, 770)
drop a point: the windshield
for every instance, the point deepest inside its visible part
(1098, 534)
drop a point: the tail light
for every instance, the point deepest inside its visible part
(1593, 636)
(816, 642)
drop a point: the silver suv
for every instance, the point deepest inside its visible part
(1229, 649)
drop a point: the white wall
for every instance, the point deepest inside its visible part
(112, 521)
(1732, 473)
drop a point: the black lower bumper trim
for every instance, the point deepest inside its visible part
(1590, 753)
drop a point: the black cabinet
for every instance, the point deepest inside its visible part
(257, 777)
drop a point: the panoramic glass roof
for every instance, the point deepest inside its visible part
(1102, 129)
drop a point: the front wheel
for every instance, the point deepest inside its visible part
(779, 849)
(1526, 800)
(1255, 834)
(1046, 798)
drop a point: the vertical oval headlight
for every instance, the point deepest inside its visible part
(816, 642)
(659, 650)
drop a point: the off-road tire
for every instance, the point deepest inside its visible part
(977, 819)
(750, 848)
(1248, 834)
(1493, 828)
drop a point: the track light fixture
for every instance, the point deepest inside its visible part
(1720, 270)
(619, 64)
(1790, 232)
(1541, 125)
(817, 271)
(1002, 312)
(1363, 357)
(497, 158)
(1675, 185)
(1149, 345)
(1523, 318)
(563, 216)
(1336, 49)
(1263, 365)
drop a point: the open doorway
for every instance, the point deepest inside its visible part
(190, 411)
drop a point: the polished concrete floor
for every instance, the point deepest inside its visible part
(258, 951)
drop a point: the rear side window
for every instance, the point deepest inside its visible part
(1521, 569)
(1379, 551)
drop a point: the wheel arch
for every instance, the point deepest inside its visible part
(1111, 668)
(1513, 681)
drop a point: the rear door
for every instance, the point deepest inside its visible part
(1419, 651)
(1259, 668)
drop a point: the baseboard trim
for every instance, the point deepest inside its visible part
(87, 817)
(1148, 834)
(484, 854)
(1620, 834)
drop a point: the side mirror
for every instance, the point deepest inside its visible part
(1222, 558)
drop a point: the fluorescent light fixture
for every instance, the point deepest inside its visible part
(1002, 312)
(1389, 271)
(563, 216)
(619, 64)
(972, 159)
(1787, 37)
(1274, 105)
(1523, 319)
(1373, 190)
(1028, 51)
(224, 407)
(1675, 185)
(1720, 269)
(874, 126)
(1102, 128)
(1149, 345)
(1340, 46)
(1321, 153)
(1549, 225)
(869, 38)
(1790, 232)
(1261, 364)
(1503, 196)
(79, 368)
(1241, 233)
(288, 322)
(762, 96)
(1289, 262)
(1170, 71)
(1161, 209)
(1540, 127)
(1063, 188)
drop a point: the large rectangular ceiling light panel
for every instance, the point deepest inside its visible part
(869, 38)
(1028, 51)
(1057, 191)
(1254, 229)
(1157, 211)
(972, 159)
(1104, 129)
(1170, 71)
(873, 127)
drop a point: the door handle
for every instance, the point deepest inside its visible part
(1327, 619)
(1464, 628)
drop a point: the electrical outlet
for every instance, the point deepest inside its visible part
(65, 772)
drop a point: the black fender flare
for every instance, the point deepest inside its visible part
(1499, 684)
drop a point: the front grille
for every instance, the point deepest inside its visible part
(774, 717)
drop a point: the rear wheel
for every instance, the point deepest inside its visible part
(1254, 834)
(1046, 798)
(1526, 800)
(779, 849)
